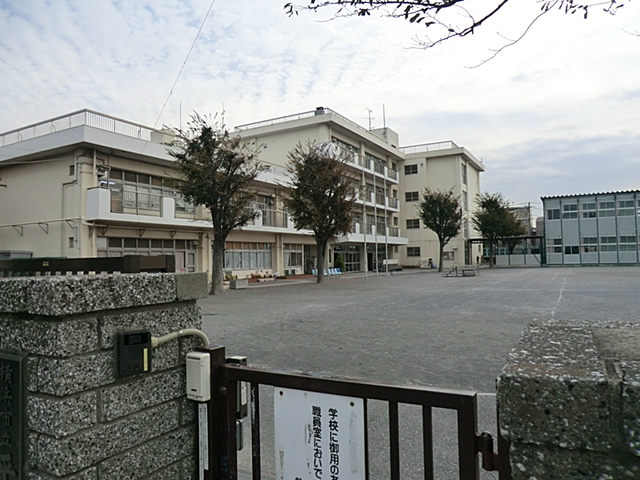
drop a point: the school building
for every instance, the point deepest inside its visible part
(88, 184)
(592, 229)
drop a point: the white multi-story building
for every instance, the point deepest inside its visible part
(439, 166)
(88, 184)
(592, 229)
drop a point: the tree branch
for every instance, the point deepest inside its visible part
(430, 12)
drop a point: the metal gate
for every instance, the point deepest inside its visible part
(474, 450)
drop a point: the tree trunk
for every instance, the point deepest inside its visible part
(321, 246)
(491, 259)
(441, 253)
(217, 269)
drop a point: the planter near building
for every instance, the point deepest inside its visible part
(239, 283)
(79, 419)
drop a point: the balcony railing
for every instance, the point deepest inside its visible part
(364, 162)
(378, 167)
(392, 174)
(394, 232)
(86, 117)
(136, 203)
(380, 199)
(393, 202)
(275, 218)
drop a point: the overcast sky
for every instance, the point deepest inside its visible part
(558, 113)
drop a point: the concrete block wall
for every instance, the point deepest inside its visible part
(84, 423)
(569, 401)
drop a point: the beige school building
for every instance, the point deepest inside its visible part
(88, 184)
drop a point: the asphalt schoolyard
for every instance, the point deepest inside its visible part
(411, 328)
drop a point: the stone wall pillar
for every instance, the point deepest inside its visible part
(569, 401)
(82, 422)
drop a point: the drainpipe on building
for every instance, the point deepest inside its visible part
(375, 218)
(364, 218)
(386, 226)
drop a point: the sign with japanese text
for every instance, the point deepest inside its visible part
(318, 436)
(12, 403)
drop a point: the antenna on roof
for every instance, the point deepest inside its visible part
(370, 117)
(384, 117)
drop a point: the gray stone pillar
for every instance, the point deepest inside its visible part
(569, 401)
(83, 422)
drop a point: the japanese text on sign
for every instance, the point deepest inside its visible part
(318, 436)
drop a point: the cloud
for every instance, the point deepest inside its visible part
(554, 113)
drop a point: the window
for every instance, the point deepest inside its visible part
(588, 210)
(72, 170)
(464, 174)
(292, 255)
(183, 250)
(411, 169)
(589, 245)
(411, 196)
(71, 242)
(608, 244)
(448, 256)
(413, 223)
(247, 255)
(625, 208)
(553, 214)
(466, 228)
(413, 251)
(465, 201)
(140, 193)
(571, 250)
(557, 246)
(570, 211)
(627, 243)
(607, 209)
(395, 221)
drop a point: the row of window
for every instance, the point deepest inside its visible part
(183, 250)
(117, 243)
(247, 255)
(415, 197)
(137, 190)
(623, 243)
(624, 208)
(414, 223)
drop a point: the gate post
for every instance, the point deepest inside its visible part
(210, 429)
(228, 398)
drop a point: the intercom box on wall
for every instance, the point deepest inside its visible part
(133, 352)
(199, 376)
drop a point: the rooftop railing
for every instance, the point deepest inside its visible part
(85, 117)
(428, 147)
(299, 116)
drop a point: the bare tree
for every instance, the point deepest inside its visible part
(321, 197)
(217, 170)
(436, 16)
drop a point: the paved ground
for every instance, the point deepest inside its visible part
(411, 328)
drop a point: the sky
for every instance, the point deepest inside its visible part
(557, 113)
